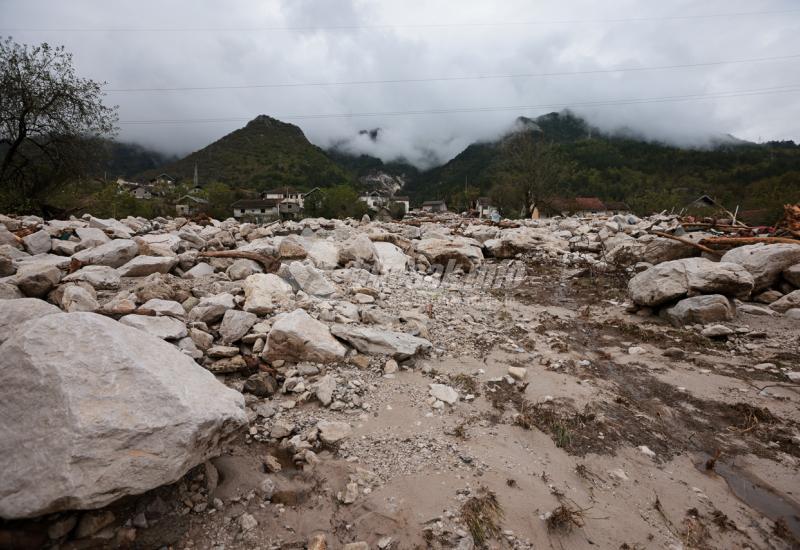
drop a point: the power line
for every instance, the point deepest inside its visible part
(600, 103)
(452, 78)
(406, 26)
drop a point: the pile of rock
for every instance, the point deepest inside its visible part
(702, 291)
(132, 350)
(127, 322)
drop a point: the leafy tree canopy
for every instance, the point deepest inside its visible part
(49, 117)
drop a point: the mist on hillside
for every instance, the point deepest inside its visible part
(337, 67)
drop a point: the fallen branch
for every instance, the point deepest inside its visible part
(270, 264)
(686, 241)
(741, 241)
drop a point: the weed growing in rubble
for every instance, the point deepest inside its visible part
(482, 515)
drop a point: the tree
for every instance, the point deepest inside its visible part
(48, 119)
(220, 198)
(339, 201)
(537, 166)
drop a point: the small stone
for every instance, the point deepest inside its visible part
(716, 331)
(636, 350)
(674, 353)
(318, 542)
(620, 474)
(222, 352)
(361, 298)
(444, 393)
(281, 429)
(92, 522)
(247, 522)
(645, 450)
(273, 464)
(267, 488)
(325, 388)
(350, 493)
(61, 527)
(390, 367)
(519, 373)
(332, 432)
(261, 384)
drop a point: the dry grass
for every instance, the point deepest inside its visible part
(482, 514)
(465, 383)
(564, 518)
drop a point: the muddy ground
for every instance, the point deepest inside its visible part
(625, 433)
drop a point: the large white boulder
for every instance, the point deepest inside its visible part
(15, 312)
(78, 298)
(466, 253)
(92, 411)
(113, 253)
(35, 279)
(391, 257)
(297, 336)
(142, 266)
(625, 250)
(309, 279)
(166, 328)
(324, 253)
(709, 308)
(764, 261)
(100, 277)
(371, 340)
(91, 237)
(292, 248)
(784, 304)
(235, 324)
(266, 292)
(158, 307)
(212, 308)
(359, 250)
(165, 241)
(112, 227)
(37, 243)
(670, 281)
(792, 274)
(511, 242)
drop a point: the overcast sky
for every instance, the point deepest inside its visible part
(258, 42)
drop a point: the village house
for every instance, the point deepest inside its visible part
(376, 200)
(136, 189)
(290, 209)
(484, 208)
(190, 205)
(256, 209)
(163, 179)
(284, 194)
(401, 200)
(434, 206)
(142, 192)
(617, 207)
(577, 206)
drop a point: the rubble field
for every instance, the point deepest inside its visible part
(440, 382)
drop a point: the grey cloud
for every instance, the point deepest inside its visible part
(319, 54)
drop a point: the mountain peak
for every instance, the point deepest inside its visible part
(265, 153)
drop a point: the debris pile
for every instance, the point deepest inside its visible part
(134, 351)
